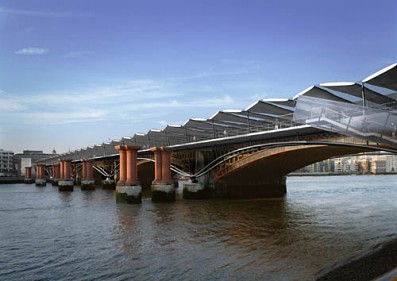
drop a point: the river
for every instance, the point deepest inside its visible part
(85, 235)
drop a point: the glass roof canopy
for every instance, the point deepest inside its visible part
(379, 88)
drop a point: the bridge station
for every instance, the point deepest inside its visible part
(238, 153)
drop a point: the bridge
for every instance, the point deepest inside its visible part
(239, 153)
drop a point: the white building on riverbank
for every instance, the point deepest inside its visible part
(7, 165)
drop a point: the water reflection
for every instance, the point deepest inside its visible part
(320, 222)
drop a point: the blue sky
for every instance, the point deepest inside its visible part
(76, 73)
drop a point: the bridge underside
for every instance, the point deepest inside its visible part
(266, 177)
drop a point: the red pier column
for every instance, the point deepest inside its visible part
(60, 169)
(128, 189)
(56, 171)
(166, 177)
(89, 170)
(28, 172)
(67, 169)
(40, 171)
(122, 165)
(131, 165)
(162, 187)
(28, 175)
(157, 164)
(87, 180)
(65, 182)
(37, 172)
(84, 170)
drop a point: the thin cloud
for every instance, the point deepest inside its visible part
(140, 104)
(32, 51)
(75, 54)
(41, 13)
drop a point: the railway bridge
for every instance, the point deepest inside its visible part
(239, 153)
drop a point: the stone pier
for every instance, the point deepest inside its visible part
(40, 173)
(162, 188)
(28, 175)
(195, 190)
(128, 188)
(65, 183)
(87, 180)
(108, 184)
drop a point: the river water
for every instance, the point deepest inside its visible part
(85, 235)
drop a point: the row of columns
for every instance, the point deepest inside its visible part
(65, 182)
(88, 171)
(128, 188)
(87, 177)
(65, 169)
(40, 171)
(40, 175)
(162, 166)
(128, 164)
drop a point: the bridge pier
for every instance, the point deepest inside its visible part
(128, 188)
(108, 184)
(195, 190)
(162, 188)
(87, 180)
(40, 172)
(28, 175)
(66, 183)
(55, 179)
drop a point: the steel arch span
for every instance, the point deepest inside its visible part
(261, 171)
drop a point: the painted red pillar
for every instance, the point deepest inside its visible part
(166, 165)
(40, 171)
(131, 165)
(128, 189)
(89, 174)
(67, 169)
(37, 172)
(84, 170)
(63, 169)
(157, 164)
(60, 169)
(162, 188)
(56, 171)
(28, 172)
(122, 164)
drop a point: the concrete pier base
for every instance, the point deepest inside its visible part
(109, 184)
(87, 184)
(41, 182)
(195, 191)
(28, 180)
(65, 185)
(163, 192)
(130, 194)
(54, 182)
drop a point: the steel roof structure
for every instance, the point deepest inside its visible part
(379, 88)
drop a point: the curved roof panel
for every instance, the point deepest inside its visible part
(385, 78)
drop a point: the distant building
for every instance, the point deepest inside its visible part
(28, 158)
(355, 164)
(7, 165)
(391, 164)
(378, 165)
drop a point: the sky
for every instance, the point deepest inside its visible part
(78, 73)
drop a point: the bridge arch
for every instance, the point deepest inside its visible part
(263, 172)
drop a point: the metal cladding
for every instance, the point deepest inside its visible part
(377, 89)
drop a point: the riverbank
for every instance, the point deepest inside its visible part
(10, 180)
(368, 267)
